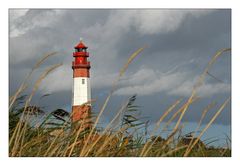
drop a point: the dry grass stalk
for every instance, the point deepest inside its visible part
(176, 114)
(99, 146)
(200, 122)
(170, 109)
(134, 55)
(107, 127)
(24, 83)
(81, 128)
(183, 111)
(159, 121)
(166, 143)
(206, 71)
(174, 150)
(200, 83)
(207, 126)
(56, 137)
(131, 58)
(21, 131)
(109, 138)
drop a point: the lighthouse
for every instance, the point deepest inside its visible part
(81, 94)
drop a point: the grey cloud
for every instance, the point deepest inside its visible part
(205, 90)
(165, 21)
(148, 81)
(24, 20)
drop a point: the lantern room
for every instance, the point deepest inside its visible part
(80, 56)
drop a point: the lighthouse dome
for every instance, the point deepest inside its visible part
(81, 45)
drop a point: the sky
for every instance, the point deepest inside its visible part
(180, 43)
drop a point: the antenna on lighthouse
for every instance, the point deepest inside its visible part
(81, 39)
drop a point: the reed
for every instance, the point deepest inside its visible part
(126, 139)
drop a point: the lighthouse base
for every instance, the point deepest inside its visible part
(81, 112)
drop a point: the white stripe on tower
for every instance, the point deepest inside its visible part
(81, 90)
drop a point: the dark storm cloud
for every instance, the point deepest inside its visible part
(196, 38)
(180, 44)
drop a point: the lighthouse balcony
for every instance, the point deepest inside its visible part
(85, 54)
(80, 65)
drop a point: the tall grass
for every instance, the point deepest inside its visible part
(57, 136)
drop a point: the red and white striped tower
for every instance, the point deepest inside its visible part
(81, 83)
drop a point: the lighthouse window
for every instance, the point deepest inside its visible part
(83, 81)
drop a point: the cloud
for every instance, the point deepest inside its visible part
(206, 90)
(103, 80)
(58, 80)
(23, 20)
(14, 17)
(149, 82)
(144, 21)
(163, 21)
(61, 80)
(15, 14)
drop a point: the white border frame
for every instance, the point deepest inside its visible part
(6, 161)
